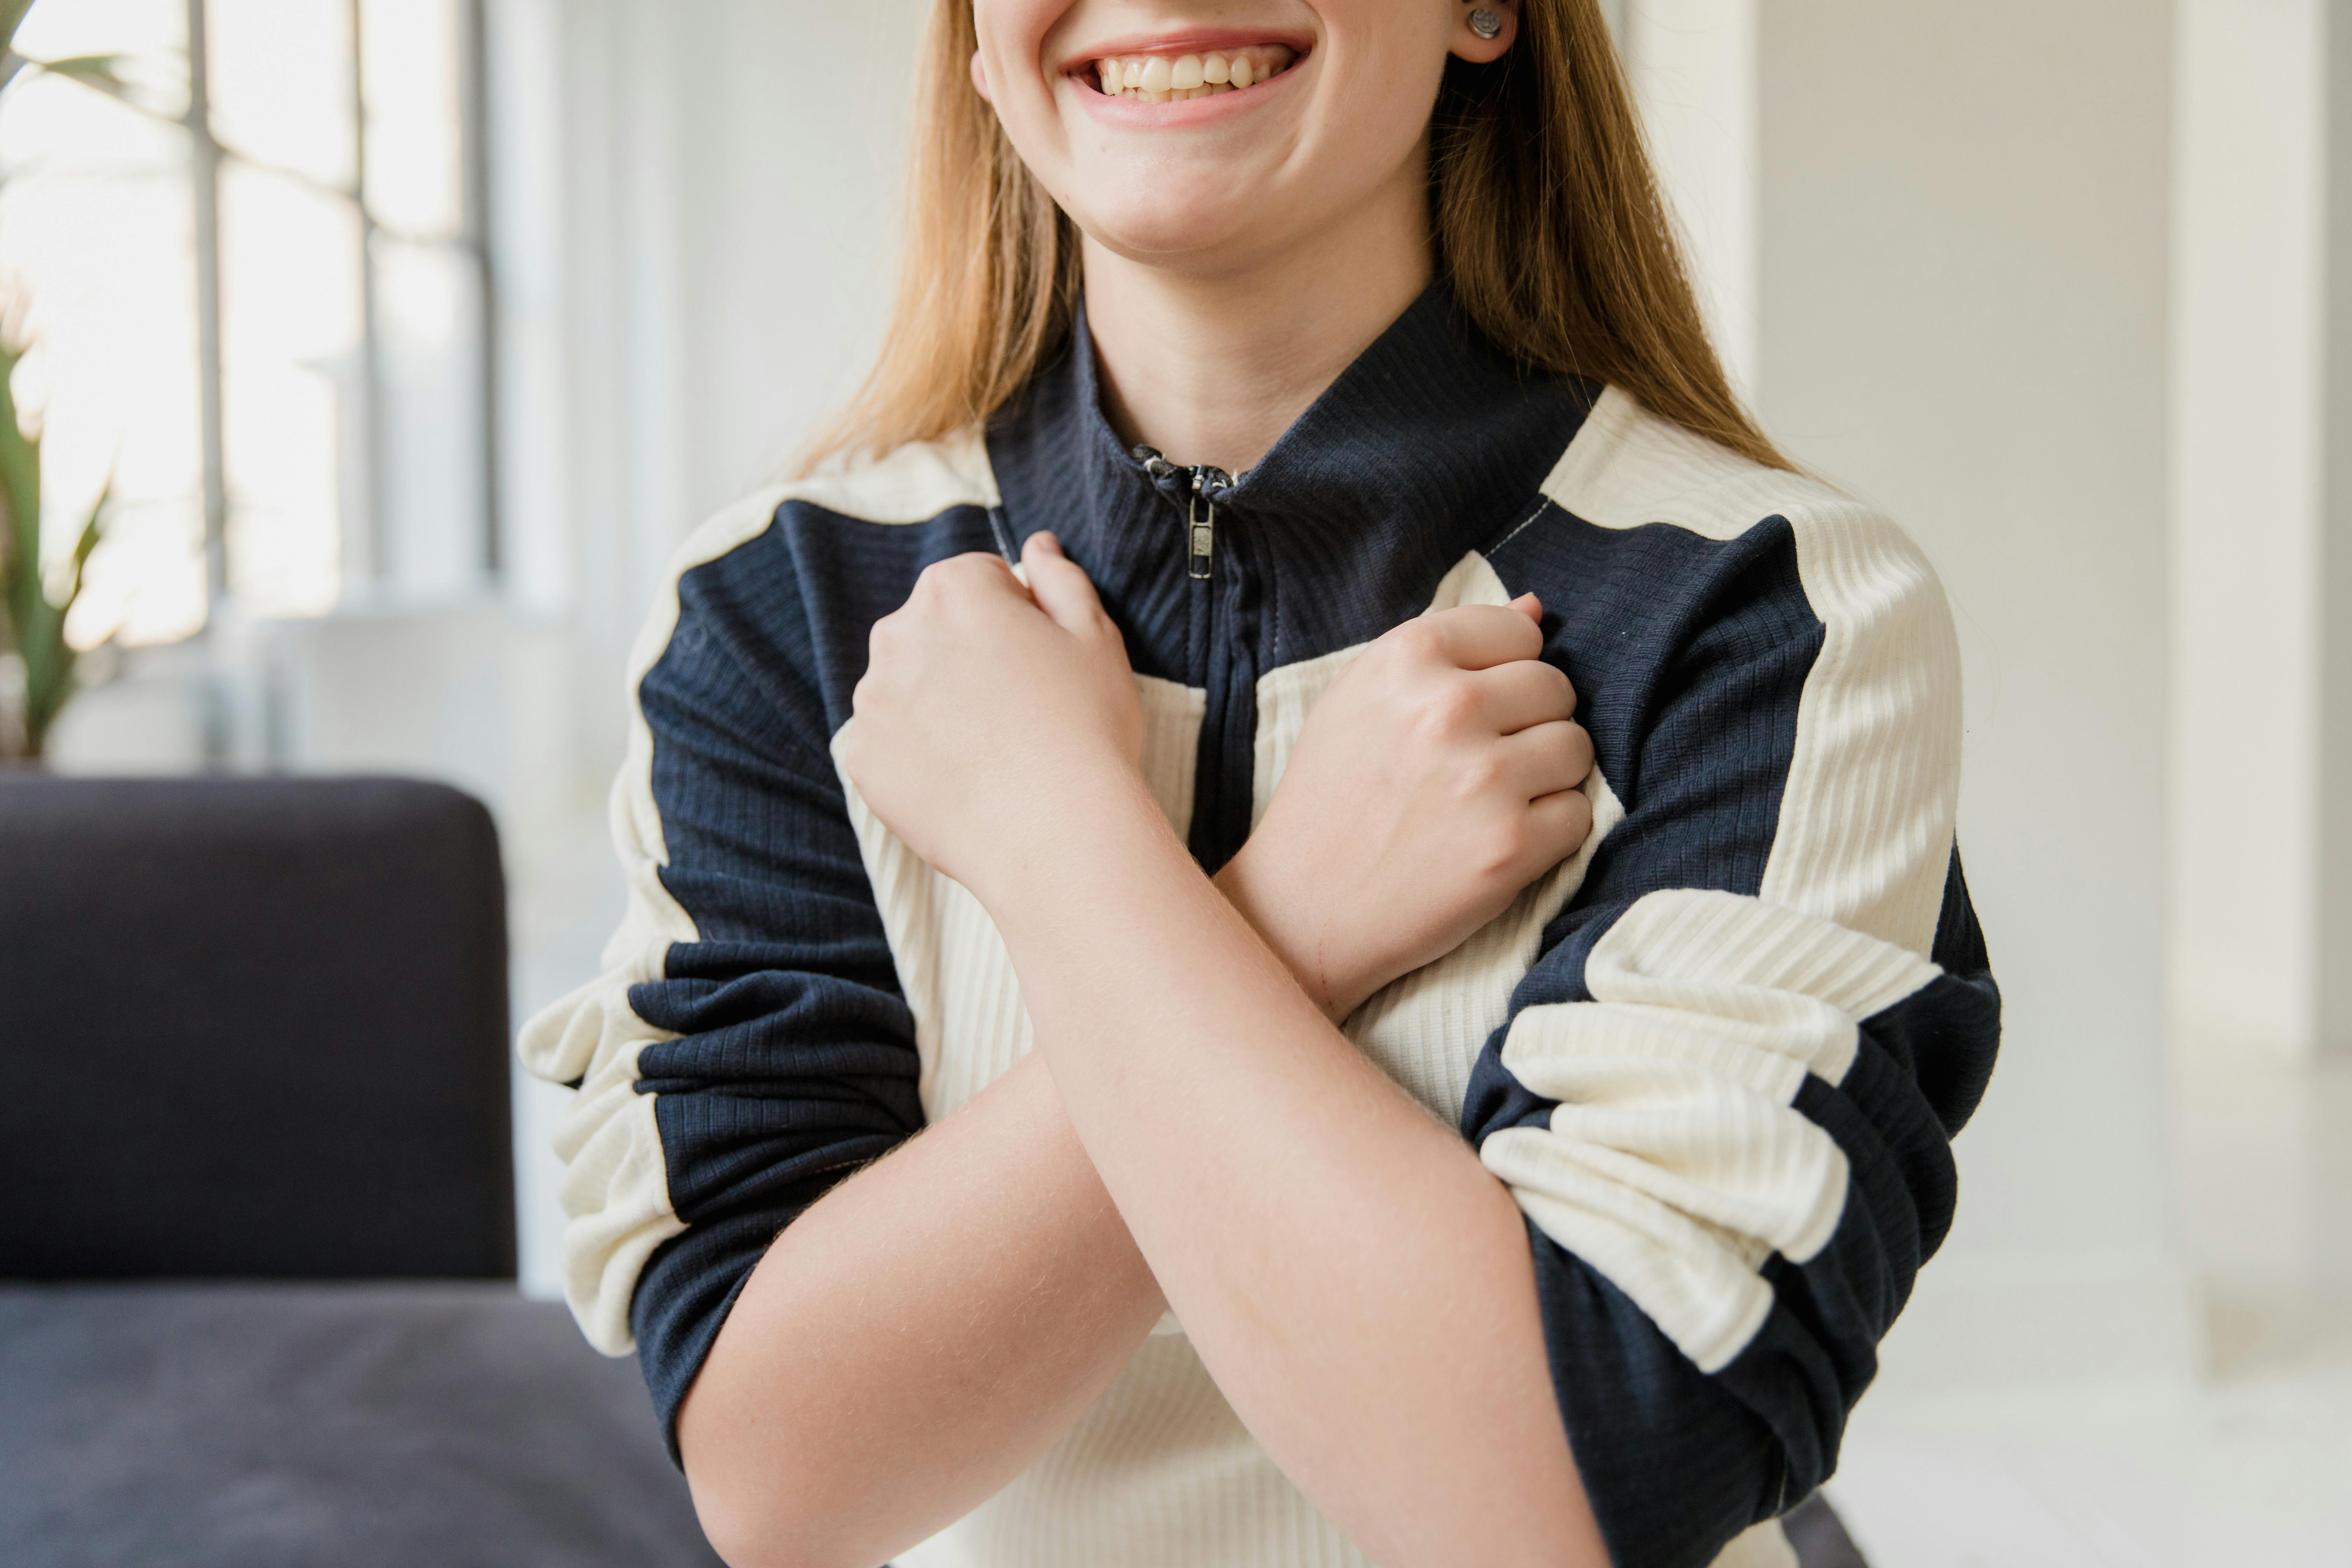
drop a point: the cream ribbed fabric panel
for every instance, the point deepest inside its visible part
(1160, 1474)
(1765, 1546)
(1866, 818)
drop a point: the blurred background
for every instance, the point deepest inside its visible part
(406, 345)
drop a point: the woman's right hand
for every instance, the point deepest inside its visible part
(1436, 778)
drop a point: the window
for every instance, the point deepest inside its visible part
(262, 306)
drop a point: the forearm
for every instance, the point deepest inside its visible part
(997, 1249)
(916, 1338)
(1324, 1241)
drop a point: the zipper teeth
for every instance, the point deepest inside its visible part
(1200, 532)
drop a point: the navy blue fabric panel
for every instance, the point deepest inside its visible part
(1426, 446)
(1430, 443)
(1239, 636)
(842, 575)
(795, 1059)
(1060, 469)
(1955, 1069)
(1688, 656)
(684, 1294)
(1674, 1463)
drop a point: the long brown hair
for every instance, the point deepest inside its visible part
(1548, 222)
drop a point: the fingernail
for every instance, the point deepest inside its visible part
(1043, 541)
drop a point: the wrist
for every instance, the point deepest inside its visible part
(1255, 890)
(1040, 846)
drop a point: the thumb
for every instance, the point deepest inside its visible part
(1060, 585)
(1530, 606)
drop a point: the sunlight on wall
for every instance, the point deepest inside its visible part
(352, 469)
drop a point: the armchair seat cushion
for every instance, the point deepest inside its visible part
(362, 1425)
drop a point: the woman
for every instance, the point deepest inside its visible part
(1370, 1115)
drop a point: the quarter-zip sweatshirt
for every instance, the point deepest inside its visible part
(1717, 1057)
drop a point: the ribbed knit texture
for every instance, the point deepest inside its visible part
(1717, 1057)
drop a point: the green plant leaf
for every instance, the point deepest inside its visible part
(94, 70)
(12, 12)
(50, 678)
(20, 499)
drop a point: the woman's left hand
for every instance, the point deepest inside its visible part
(987, 705)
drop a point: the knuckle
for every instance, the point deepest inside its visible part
(1481, 777)
(1420, 636)
(1451, 705)
(1506, 845)
(1579, 817)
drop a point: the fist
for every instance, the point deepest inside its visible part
(986, 705)
(1436, 778)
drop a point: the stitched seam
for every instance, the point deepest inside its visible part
(1521, 527)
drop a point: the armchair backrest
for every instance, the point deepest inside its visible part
(252, 1027)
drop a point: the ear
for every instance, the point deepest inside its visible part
(980, 75)
(1469, 45)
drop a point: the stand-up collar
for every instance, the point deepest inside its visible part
(1431, 443)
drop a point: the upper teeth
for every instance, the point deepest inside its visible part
(1156, 78)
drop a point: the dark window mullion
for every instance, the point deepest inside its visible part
(379, 512)
(204, 161)
(474, 64)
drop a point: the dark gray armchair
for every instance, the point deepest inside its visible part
(257, 1215)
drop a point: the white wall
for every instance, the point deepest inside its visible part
(1693, 65)
(1963, 296)
(2249, 234)
(696, 200)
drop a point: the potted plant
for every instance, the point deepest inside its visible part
(37, 664)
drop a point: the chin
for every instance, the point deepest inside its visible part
(1167, 229)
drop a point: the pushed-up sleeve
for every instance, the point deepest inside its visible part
(1725, 1093)
(746, 1044)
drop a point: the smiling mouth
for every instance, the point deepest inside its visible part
(1164, 78)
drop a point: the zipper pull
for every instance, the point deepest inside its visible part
(1200, 519)
(1200, 511)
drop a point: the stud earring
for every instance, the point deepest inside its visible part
(1485, 23)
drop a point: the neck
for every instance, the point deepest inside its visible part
(1213, 366)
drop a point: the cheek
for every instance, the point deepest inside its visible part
(1013, 37)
